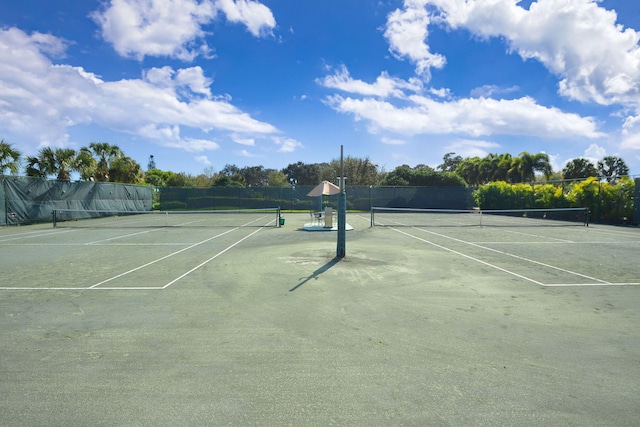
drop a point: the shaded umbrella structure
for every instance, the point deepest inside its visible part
(325, 188)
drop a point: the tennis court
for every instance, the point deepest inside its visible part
(242, 322)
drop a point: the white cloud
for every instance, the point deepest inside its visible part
(203, 159)
(594, 151)
(392, 141)
(287, 145)
(173, 28)
(474, 117)
(488, 91)
(243, 140)
(257, 17)
(384, 86)
(245, 153)
(41, 101)
(596, 59)
(139, 28)
(440, 93)
(631, 134)
(407, 32)
(192, 79)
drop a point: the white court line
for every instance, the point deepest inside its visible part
(604, 282)
(538, 235)
(562, 285)
(599, 282)
(210, 259)
(43, 234)
(470, 257)
(632, 234)
(95, 287)
(123, 288)
(161, 258)
(95, 242)
(182, 250)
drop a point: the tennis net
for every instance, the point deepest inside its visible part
(267, 217)
(407, 217)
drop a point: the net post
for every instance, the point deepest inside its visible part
(53, 214)
(278, 216)
(586, 217)
(371, 215)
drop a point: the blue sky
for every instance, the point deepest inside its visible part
(203, 83)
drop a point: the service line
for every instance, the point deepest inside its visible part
(468, 256)
(210, 259)
(161, 259)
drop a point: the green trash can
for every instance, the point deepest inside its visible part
(281, 221)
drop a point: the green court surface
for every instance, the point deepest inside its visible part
(225, 325)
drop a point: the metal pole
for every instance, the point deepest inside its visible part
(342, 212)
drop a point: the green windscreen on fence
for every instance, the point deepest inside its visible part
(30, 200)
(359, 198)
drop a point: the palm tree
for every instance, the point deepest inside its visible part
(86, 164)
(9, 158)
(526, 165)
(60, 162)
(469, 170)
(106, 154)
(504, 164)
(35, 168)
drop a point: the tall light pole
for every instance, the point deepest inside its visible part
(341, 250)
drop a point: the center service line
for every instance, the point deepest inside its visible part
(604, 282)
(160, 259)
(210, 259)
(470, 257)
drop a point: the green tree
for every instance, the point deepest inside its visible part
(469, 170)
(86, 164)
(277, 179)
(579, 168)
(255, 176)
(450, 162)
(126, 170)
(59, 162)
(612, 168)
(526, 165)
(177, 179)
(105, 154)
(421, 176)
(9, 158)
(156, 177)
(228, 181)
(305, 174)
(357, 171)
(34, 168)
(400, 176)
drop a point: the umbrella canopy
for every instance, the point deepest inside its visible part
(325, 188)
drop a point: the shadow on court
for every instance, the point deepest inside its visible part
(317, 273)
